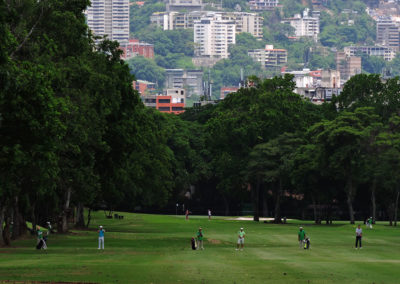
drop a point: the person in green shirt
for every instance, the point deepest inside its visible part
(200, 237)
(370, 222)
(40, 237)
(241, 236)
(301, 236)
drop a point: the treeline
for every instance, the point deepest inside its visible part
(289, 155)
(73, 132)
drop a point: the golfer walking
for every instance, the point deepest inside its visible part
(209, 214)
(370, 222)
(240, 242)
(301, 236)
(200, 237)
(101, 232)
(358, 237)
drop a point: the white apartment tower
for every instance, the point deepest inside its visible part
(110, 18)
(212, 36)
(306, 26)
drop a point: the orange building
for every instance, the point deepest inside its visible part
(172, 102)
(143, 87)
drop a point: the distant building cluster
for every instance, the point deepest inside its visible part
(245, 22)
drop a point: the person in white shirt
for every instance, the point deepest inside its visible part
(358, 236)
(209, 214)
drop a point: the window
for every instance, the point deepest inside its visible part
(164, 101)
(164, 108)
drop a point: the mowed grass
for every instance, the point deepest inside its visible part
(156, 249)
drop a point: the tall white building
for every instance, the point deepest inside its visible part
(213, 35)
(111, 18)
(306, 26)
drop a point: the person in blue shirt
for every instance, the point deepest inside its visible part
(101, 232)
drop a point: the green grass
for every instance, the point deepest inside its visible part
(156, 249)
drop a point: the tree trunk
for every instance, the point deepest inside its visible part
(6, 232)
(315, 209)
(350, 195)
(2, 213)
(19, 227)
(256, 200)
(226, 204)
(33, 218)
(63, 226)
(277, 213)
(89, 217)
(396, 207)
(265, 203)
(373, 201)
(80, 219)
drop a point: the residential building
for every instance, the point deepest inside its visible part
(306, 25)
(245, 22)
(184, 5)
(386, 53)
(135, 48)
(173, 101)
(330, 79)
(149, 100)
(302, 78)
(213, 35)
(226, 91)
(388, 33)
(269, 57)
(190, 80)
(143, 87)
(347, 65)
(109, 18)
(263, 5)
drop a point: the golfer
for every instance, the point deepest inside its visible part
(241, 236)
(209, 214)
(358, 237)
(200, 237)
(301, 236)
(370, 222)
(40, 238)
(101, 232)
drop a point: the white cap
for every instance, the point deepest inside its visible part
(101, 226)
(241, 228)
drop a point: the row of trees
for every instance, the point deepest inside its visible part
(73, 132)
(278, 148)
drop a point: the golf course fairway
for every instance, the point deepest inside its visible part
(145, 248)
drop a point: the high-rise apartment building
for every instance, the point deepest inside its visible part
(269, 57)
(263, 5)
(110, 18)
(184, 5)
(347, 65)
(386, 53)
(388, 33)
(306, 25)
(213, 35)
(190, 80)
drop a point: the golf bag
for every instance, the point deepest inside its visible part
(307, 243)
(193, 243)
(40, 244)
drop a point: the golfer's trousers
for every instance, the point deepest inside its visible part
(358, 240)
(101, 242)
